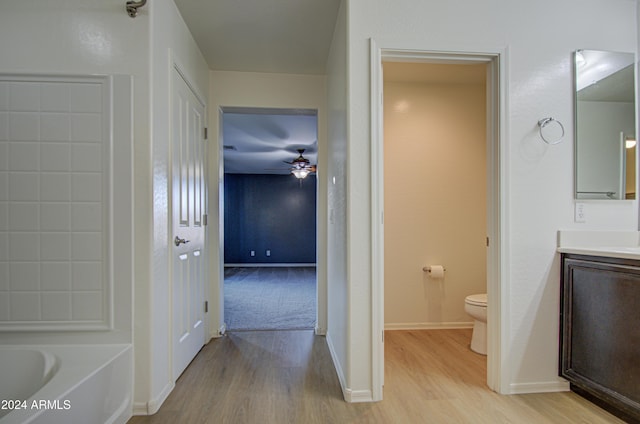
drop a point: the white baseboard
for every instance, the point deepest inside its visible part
(151, 407)
(541, 387)
(336, 364)
(140, 408)
(358, 396)
(427, 325)
(266, 265)
(319, 331)
(351, 396)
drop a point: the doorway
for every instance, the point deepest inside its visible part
(269, 219)
(494, 81)
(435, 205)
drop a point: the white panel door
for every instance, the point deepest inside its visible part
(188, 209)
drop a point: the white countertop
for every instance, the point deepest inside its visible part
(613, 244)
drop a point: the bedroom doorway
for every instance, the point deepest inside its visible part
(269, 221)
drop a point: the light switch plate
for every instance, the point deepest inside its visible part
(580, 213)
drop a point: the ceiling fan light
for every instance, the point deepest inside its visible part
(300, 173)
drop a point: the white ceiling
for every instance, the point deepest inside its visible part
(273, 36)
(282, 36)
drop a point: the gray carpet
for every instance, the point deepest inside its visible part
(267, 298)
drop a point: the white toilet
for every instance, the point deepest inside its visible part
(476, 306)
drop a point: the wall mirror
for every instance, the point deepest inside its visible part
(605, 125)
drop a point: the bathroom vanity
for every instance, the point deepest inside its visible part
(600, 327)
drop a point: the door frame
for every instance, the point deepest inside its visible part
(497, 290)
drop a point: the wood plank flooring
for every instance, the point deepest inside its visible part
(288, 377)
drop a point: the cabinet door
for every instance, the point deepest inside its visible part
(601, 330)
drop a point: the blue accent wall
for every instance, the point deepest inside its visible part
(269, 212)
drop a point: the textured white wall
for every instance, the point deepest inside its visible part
(539, 38)
(338, 289)
(435, 201)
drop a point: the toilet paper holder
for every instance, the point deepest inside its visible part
(428, 268)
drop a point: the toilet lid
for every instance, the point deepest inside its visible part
(477, 299)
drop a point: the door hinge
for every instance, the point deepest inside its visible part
(206, 306)
(487, 241)
(206, 133)
(205, 219)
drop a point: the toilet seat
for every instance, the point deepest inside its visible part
(477, 299)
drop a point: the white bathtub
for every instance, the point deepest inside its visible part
(51, 384)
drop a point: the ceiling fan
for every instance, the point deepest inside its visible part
(301, 167)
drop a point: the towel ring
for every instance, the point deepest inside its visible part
(544, 123)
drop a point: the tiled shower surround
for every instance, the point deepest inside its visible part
(54, 192)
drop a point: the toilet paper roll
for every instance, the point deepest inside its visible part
(436, 271)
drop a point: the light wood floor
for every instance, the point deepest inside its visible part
(288, 377)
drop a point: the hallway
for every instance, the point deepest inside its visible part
(288, 377)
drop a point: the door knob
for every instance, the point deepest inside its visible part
(178, 241)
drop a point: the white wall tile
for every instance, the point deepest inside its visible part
(54, 97)
(86, 306)
(24, 216)
(4, 96)
(86, 187)
(24, 246)
(4, 126)
(87, 276)
(4, 276)
(4, 306)
(86, 157)
(55, 276)
(54, 246)
(55, 187)
(86, 247)
(24, 276)
(86, 98)
(24, 126)
(54, 216)
(23, 187)
(4, 216)
(56, 306)
(86, 127)
(55, 127)
(4, 186)
(4, 247)
(86, 217)
(25, 306)
(51, 152)
(24, 156)
(24, 97)
(4, 156)
(55, 157)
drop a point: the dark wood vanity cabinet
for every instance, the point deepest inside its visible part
(600, 331)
